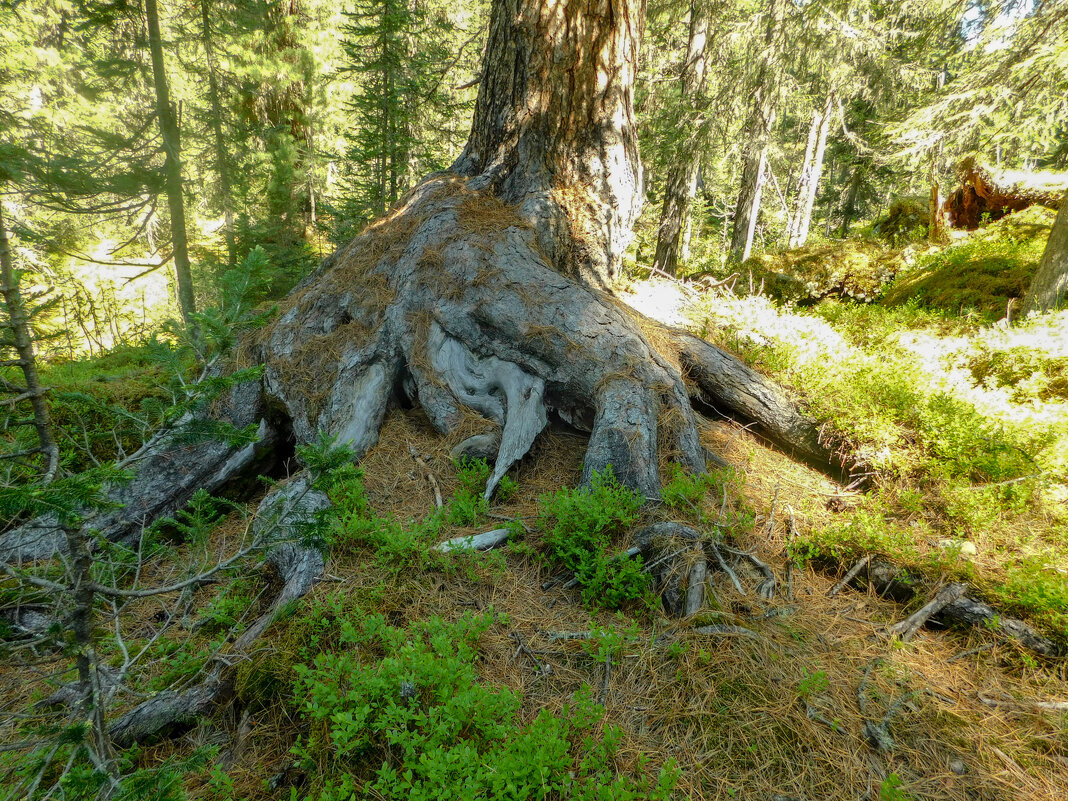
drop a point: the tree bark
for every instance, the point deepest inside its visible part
(811, 171)
(681, 184)
(757, 137)
(849, 206)
(22, 342)
(1050, 284)
(172, 149)
(222, 167)
(554, 129)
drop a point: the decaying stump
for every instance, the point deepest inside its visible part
(985, 194)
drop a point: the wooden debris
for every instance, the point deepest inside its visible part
(908, 627)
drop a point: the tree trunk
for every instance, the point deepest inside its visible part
(172, 149)
(1050, 284)
(222, 167)
(811, 170)
(681, 184)
(849, 206)
(22, 344)
(757, 137)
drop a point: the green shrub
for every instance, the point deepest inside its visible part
(350, 523)
(579, 525)
(1030, 373)
(401, 714)
(685, 491)
(1035, 584)
(467, 507)
(867, 532)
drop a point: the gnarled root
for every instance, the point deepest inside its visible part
(298, 566)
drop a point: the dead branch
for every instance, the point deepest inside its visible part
(910, 625)
(848, 577)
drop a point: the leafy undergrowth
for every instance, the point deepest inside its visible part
(962, 425)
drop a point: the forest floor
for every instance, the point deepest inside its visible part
(963, 425)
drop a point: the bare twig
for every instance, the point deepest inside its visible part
(848, 577)
(543, 669)
(970, 652)
(910, 625)
(727, 631)
(429, 474)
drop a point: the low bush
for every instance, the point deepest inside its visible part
(579, 525)
(467, 507)
(401, 714)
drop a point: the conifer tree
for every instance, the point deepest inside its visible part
(389, 46)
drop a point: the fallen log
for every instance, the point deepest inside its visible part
(986, 194)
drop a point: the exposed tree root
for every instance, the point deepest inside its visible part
(298, 567)
(885, 579)
(910, 625)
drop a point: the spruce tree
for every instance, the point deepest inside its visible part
(389, 47)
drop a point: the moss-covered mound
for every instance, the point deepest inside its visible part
(906, 219)
(858, 269)
(979, 273)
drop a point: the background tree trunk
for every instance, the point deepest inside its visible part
(849, 205)
(809, 180)
(757, 137)
(22, 343)
(172, 149)
(681, 184)
(222, 167)
(1050, 284)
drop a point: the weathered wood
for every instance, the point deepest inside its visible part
(280, 519)
(168, 470)
(885, 578)
(910, 625)
(475, 542)
(695, 590)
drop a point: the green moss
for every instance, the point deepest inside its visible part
(980, 273)
(855, 268)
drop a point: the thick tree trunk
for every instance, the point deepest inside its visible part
(1050, 284)
(811, 171)
(757, 138)
(22, 343)
(681, 185)
(172, 149)
(554, 131)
